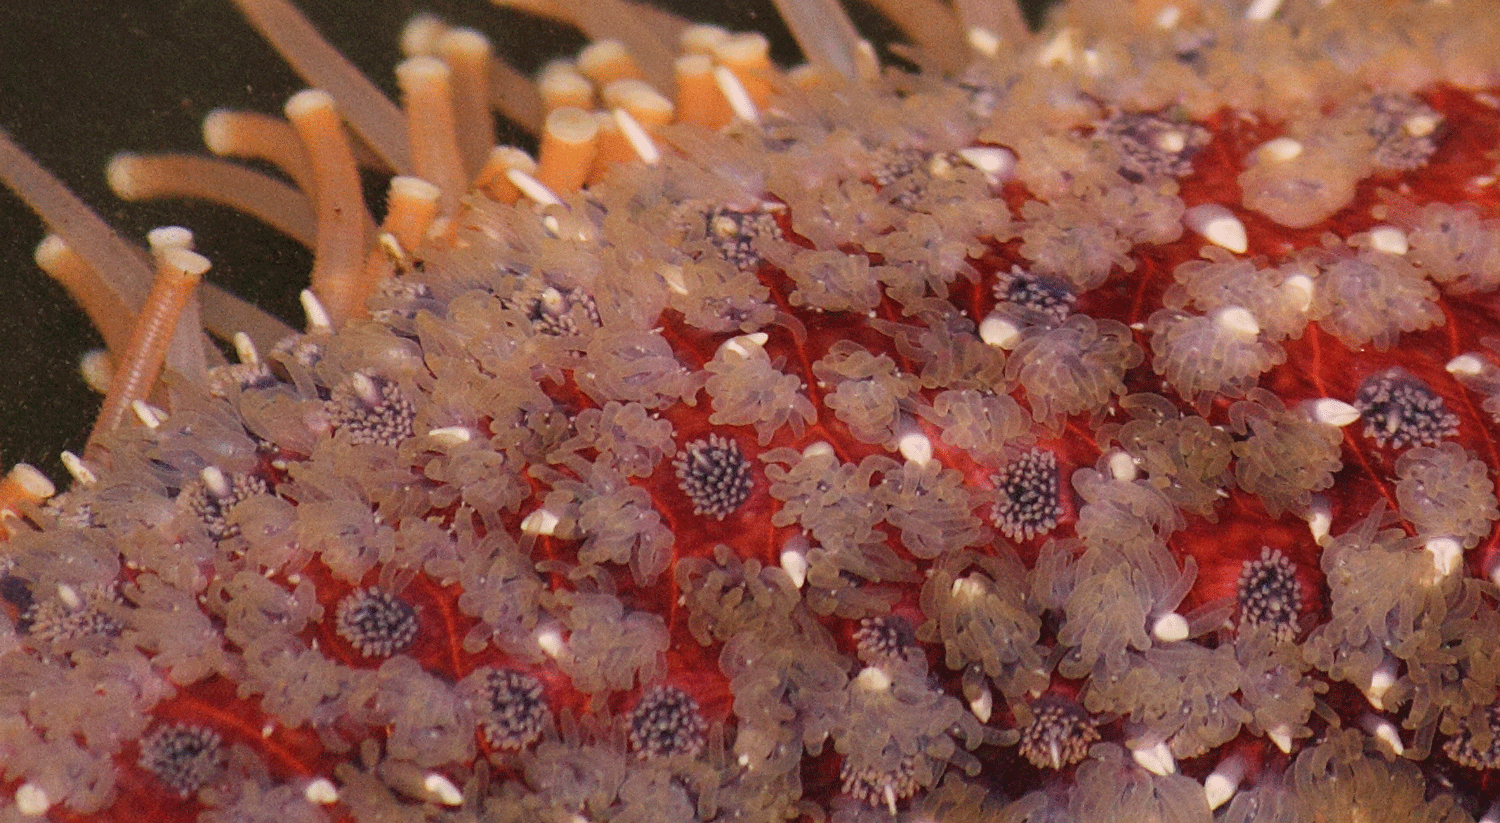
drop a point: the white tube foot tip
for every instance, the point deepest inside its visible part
(1156, 759)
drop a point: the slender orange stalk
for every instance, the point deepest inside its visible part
(178, 273)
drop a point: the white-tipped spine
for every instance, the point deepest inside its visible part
(1218, 225)
(1220, 786)
(736, 95)
(636, 135)
(1156, 758)
(442, 789)
(532, 188)
(321, 791)
(1170, 628)
(79, 470)
(318, 321)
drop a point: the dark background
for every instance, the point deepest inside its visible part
(83, 79)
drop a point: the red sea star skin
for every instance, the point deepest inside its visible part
(1218, 537)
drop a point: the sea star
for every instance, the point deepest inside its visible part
(1094, 424)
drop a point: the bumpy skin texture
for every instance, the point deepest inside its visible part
(871, 373)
